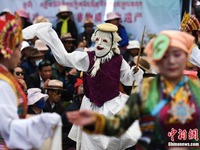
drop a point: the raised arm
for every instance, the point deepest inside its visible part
(44, 32)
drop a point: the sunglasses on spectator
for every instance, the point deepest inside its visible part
(19, 73)
(57, 92)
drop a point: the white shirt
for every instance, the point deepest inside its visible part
(22, 133)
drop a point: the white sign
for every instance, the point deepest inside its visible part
(156, 15)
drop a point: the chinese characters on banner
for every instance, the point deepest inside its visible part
(156, 15)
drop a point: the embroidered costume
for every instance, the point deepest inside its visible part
(17, 132)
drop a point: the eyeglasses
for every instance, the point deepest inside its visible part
(19, 73)
(57, 92)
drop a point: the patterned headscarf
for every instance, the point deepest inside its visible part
(10, 34)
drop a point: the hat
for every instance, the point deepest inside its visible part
(88, 22)
(41, 46)
(5, 10)
(36, 53)
(10, 34)
(63, 8)
(77, 84)
(40, 19)
(157, 47)
(112, 16)
(67, 37)
(133, 44)
(55, 85)
(22, 13)
(108, 27)
(189, 23)
(25, 44)
(34, 95)
(143, 63)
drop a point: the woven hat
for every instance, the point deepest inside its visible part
(112, 16)
(22, 13)
(143, 63)
(41, 46)
(133, 44)
(67, 37)
(10, 34)
(55, 85)
(63, 8)
(34, 95)
(88, 22)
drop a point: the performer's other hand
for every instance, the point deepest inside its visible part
(82, 117)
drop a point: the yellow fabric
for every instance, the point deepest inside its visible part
(5, 78)
(64, 27)
(182, 93)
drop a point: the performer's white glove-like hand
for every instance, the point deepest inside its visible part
(137, 74)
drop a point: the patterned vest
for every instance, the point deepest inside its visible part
(105, 85)
(20, 96)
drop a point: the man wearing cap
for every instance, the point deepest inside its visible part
(65, 23)
(54, 89)
(104, 68)
(86, 35)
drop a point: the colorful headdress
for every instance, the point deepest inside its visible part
(189, 23)
(10, 34)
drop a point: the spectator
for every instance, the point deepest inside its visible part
(18, 73)
(86, 35)
(67, 41)
(54, 89)
(36, 101)
(114, 18)
(65, 24)
(24, 18)
(40, 78)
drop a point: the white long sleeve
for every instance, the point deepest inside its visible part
(76, 59)
(44, 32)
(127, 76)
(23, 133)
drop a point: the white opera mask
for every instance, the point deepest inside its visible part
(103, 42)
